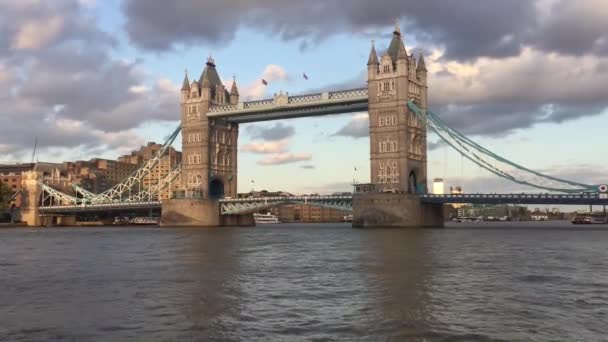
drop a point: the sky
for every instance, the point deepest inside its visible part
(526, 79)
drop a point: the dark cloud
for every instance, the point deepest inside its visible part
(308, 167)
(278, 131)
(467, 29)
(573, 27)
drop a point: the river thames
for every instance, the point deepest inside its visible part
(468, 282)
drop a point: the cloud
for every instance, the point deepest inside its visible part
(271, 74)
(64, 87)
(307, 167)
(284, 158)
(266, 147)
(495, 96)
(278, 131)
(29, 35)
(357, 127)
(466, 29)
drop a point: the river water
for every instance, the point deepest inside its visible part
(468, 282)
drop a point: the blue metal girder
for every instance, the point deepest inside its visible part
(250, 205)
(549, 199)
(100, 207)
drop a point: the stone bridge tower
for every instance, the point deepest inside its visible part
(209, 155)
(398, 157)
(397, 137)
(209, 146)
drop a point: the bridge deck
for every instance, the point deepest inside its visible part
(549, 199)
(283, 106)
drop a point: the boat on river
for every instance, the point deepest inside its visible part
(267, 218)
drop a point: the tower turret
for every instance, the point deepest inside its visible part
(421, 70)
(185, 93)
(372, 63)
(234, 92)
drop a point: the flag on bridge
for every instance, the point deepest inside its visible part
(305, 76)
(264, 82)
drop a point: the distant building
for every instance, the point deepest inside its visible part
(97, 175)
(168, 162)
(438, 186)
(456, 190)
(11, 175)
(304, 213)
(493, 211)
(299, 213)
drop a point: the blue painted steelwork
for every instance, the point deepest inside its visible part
(494, 163)
(251, 205)
(121, 206)
(549, 199)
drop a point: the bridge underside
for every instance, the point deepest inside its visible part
(293, 113)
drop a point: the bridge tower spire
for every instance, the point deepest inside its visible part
(397, 137)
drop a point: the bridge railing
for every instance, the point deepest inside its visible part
(524, 195)
(285, 198)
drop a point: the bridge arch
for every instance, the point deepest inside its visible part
(216, 188)
(412, 182)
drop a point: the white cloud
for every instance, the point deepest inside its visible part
(272, 73)
(285, 158)
(37, 34)
(139, 89)
(266, 147)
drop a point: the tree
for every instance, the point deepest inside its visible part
(5, 196)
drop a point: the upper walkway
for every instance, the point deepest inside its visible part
(283, 106)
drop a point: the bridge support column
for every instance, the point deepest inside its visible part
(31, 196)
(384, 210)
(242, 220)
(190, 213)
(199, 213)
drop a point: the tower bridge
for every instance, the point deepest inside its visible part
(395, 98)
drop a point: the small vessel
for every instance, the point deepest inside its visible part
(136, 221)
(590, 218)
(267, 218)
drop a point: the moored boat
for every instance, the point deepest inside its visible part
(267, 218)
